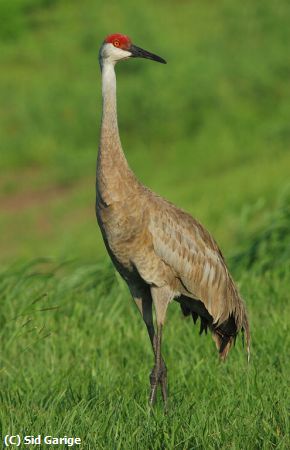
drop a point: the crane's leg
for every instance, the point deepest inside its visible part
(161, 298)
(143, 299)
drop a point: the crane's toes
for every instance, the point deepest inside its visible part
(158, 377)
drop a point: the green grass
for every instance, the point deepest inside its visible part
(75, 361)
(209, 131)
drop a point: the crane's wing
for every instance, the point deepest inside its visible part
(188, 249)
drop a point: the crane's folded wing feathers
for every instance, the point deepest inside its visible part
(194, 257)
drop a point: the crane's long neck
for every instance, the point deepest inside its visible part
(112, 167)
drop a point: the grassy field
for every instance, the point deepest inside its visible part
(71, 368)
(211, 132)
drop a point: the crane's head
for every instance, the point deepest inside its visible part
(119, 46)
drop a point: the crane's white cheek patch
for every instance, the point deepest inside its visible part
(121, 54)
(114, 54)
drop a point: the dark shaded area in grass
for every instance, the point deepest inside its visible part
(15, 16)
(269, 247)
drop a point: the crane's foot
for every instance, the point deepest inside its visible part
(158, 377)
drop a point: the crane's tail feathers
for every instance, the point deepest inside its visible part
(223, 343)
(225, 333)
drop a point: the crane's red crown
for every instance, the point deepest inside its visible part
(119, 40)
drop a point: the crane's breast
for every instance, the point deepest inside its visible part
(130, 244)
(123, 229)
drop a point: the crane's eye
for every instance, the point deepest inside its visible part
(116, 43)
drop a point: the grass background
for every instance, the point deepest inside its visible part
(211, 132)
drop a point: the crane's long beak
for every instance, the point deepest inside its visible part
(138, 52)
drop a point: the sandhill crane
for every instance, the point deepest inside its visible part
(161, 251)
